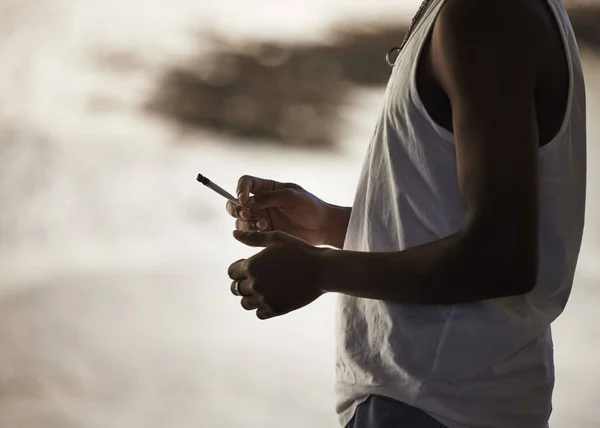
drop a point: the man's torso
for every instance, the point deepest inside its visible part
(488, 362)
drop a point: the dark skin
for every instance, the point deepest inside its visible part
(289, 208)
(550, 93)
(286, 207)
(494, 73)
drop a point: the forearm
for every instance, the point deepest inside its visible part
(444, 272)
(336, 225)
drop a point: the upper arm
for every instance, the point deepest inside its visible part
(486, 58)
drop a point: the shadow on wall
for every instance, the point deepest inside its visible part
(290, 94)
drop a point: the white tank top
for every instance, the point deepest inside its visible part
(486, 364)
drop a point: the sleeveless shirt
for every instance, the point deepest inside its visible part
(485, 364)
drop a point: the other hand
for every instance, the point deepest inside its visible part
(281, 278)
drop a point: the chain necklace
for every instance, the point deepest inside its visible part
(411, 28)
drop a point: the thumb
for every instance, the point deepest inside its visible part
(261, 239)
(278, 199)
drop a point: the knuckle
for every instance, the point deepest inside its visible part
(247, 287)
(256, 288)
(250, 267)
(289, 194)
(252, 288)
(245, 302)
(245, 267)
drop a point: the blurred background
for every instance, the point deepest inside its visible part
(115, 308)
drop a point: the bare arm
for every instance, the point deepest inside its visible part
(336, 225)
(486, 57)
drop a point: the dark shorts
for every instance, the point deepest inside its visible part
(383, 412)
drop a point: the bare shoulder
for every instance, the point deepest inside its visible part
(490, 16)
(519, 29)
(508, 38)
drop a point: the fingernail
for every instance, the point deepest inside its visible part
(245, 214)
(261, 224)
(251, 200)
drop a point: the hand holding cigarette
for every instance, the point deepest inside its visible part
(268, 205)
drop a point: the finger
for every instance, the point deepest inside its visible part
(242, 287)
(237, 211)
(248, 184)
(284, 198)
(264, 313)
(262, 239)
(251, 225)
(238, 270)
(251, 302)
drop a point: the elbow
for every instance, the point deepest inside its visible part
(517, 273)
(521, 261)
(523, 277)
(509, 269)
(504, 277)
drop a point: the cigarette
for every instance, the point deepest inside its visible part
(218, 189)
